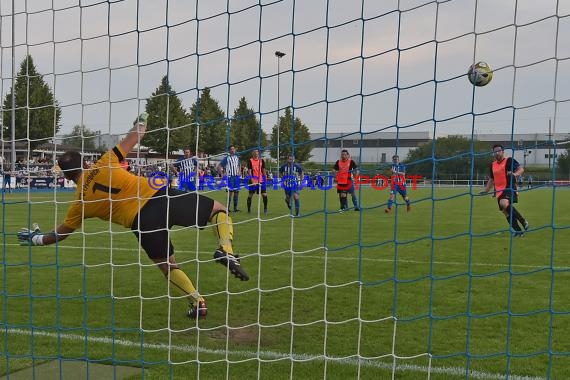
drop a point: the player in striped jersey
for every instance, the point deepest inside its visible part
(291, 173)
(230, 167)
(186, 168)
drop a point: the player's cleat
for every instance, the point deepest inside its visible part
(237, 210)
(264, 211)
(200, 310)
(387, 211)
(232, 263)
(525, 226)
(356, 209)
(408, 207)
(518, 234)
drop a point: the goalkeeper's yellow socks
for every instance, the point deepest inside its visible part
(182, 284)
(224, 231)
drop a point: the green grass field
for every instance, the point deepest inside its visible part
(443, 289)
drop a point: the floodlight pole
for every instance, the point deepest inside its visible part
(279, 55)
(13, 121)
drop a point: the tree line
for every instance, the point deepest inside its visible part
(171, 127)
(445, 157)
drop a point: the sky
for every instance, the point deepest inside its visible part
(351, 66)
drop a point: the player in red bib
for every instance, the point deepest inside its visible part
(345, 169)
(258, 178)
(503, 175)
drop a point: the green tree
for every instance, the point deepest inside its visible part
(564, 165)
(452, 157)
(293, 136)
(246, 131)
(207, 114)
(169, 126)
(82, 137)
(37, 112)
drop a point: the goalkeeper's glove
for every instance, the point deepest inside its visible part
(141, 119)
(31, 236)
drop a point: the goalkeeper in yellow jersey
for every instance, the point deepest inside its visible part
(107, 191)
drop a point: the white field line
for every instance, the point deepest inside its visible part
(330, 256)
(265, 356)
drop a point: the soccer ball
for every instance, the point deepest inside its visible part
(480, 74)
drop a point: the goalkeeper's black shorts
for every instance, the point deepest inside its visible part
(162, 212)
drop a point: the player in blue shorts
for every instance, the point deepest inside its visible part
(398, 184)
(186, 168)
(230, 167)
(291, 173)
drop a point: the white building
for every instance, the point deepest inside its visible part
(100, 140)
(537, 149)
(376, 147)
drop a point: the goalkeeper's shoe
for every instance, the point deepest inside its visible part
(232, 263)
(198, 311)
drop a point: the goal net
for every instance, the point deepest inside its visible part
(436, 285)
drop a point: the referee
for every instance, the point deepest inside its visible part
(230, 167)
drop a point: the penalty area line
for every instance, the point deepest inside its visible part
(273, 355)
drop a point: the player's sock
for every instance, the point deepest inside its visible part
(344, 203)
(224, 231)
(288, 203)
(248, 204)
(408, 204)
(180, 282)
(354, 201)
(513, 223)
(235, 201)
(512, 217)
(297, 206)
(518, 215)
(264, 201)
(390, 201)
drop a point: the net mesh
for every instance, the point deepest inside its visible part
(442, 291)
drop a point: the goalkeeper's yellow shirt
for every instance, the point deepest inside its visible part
(109, 192)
